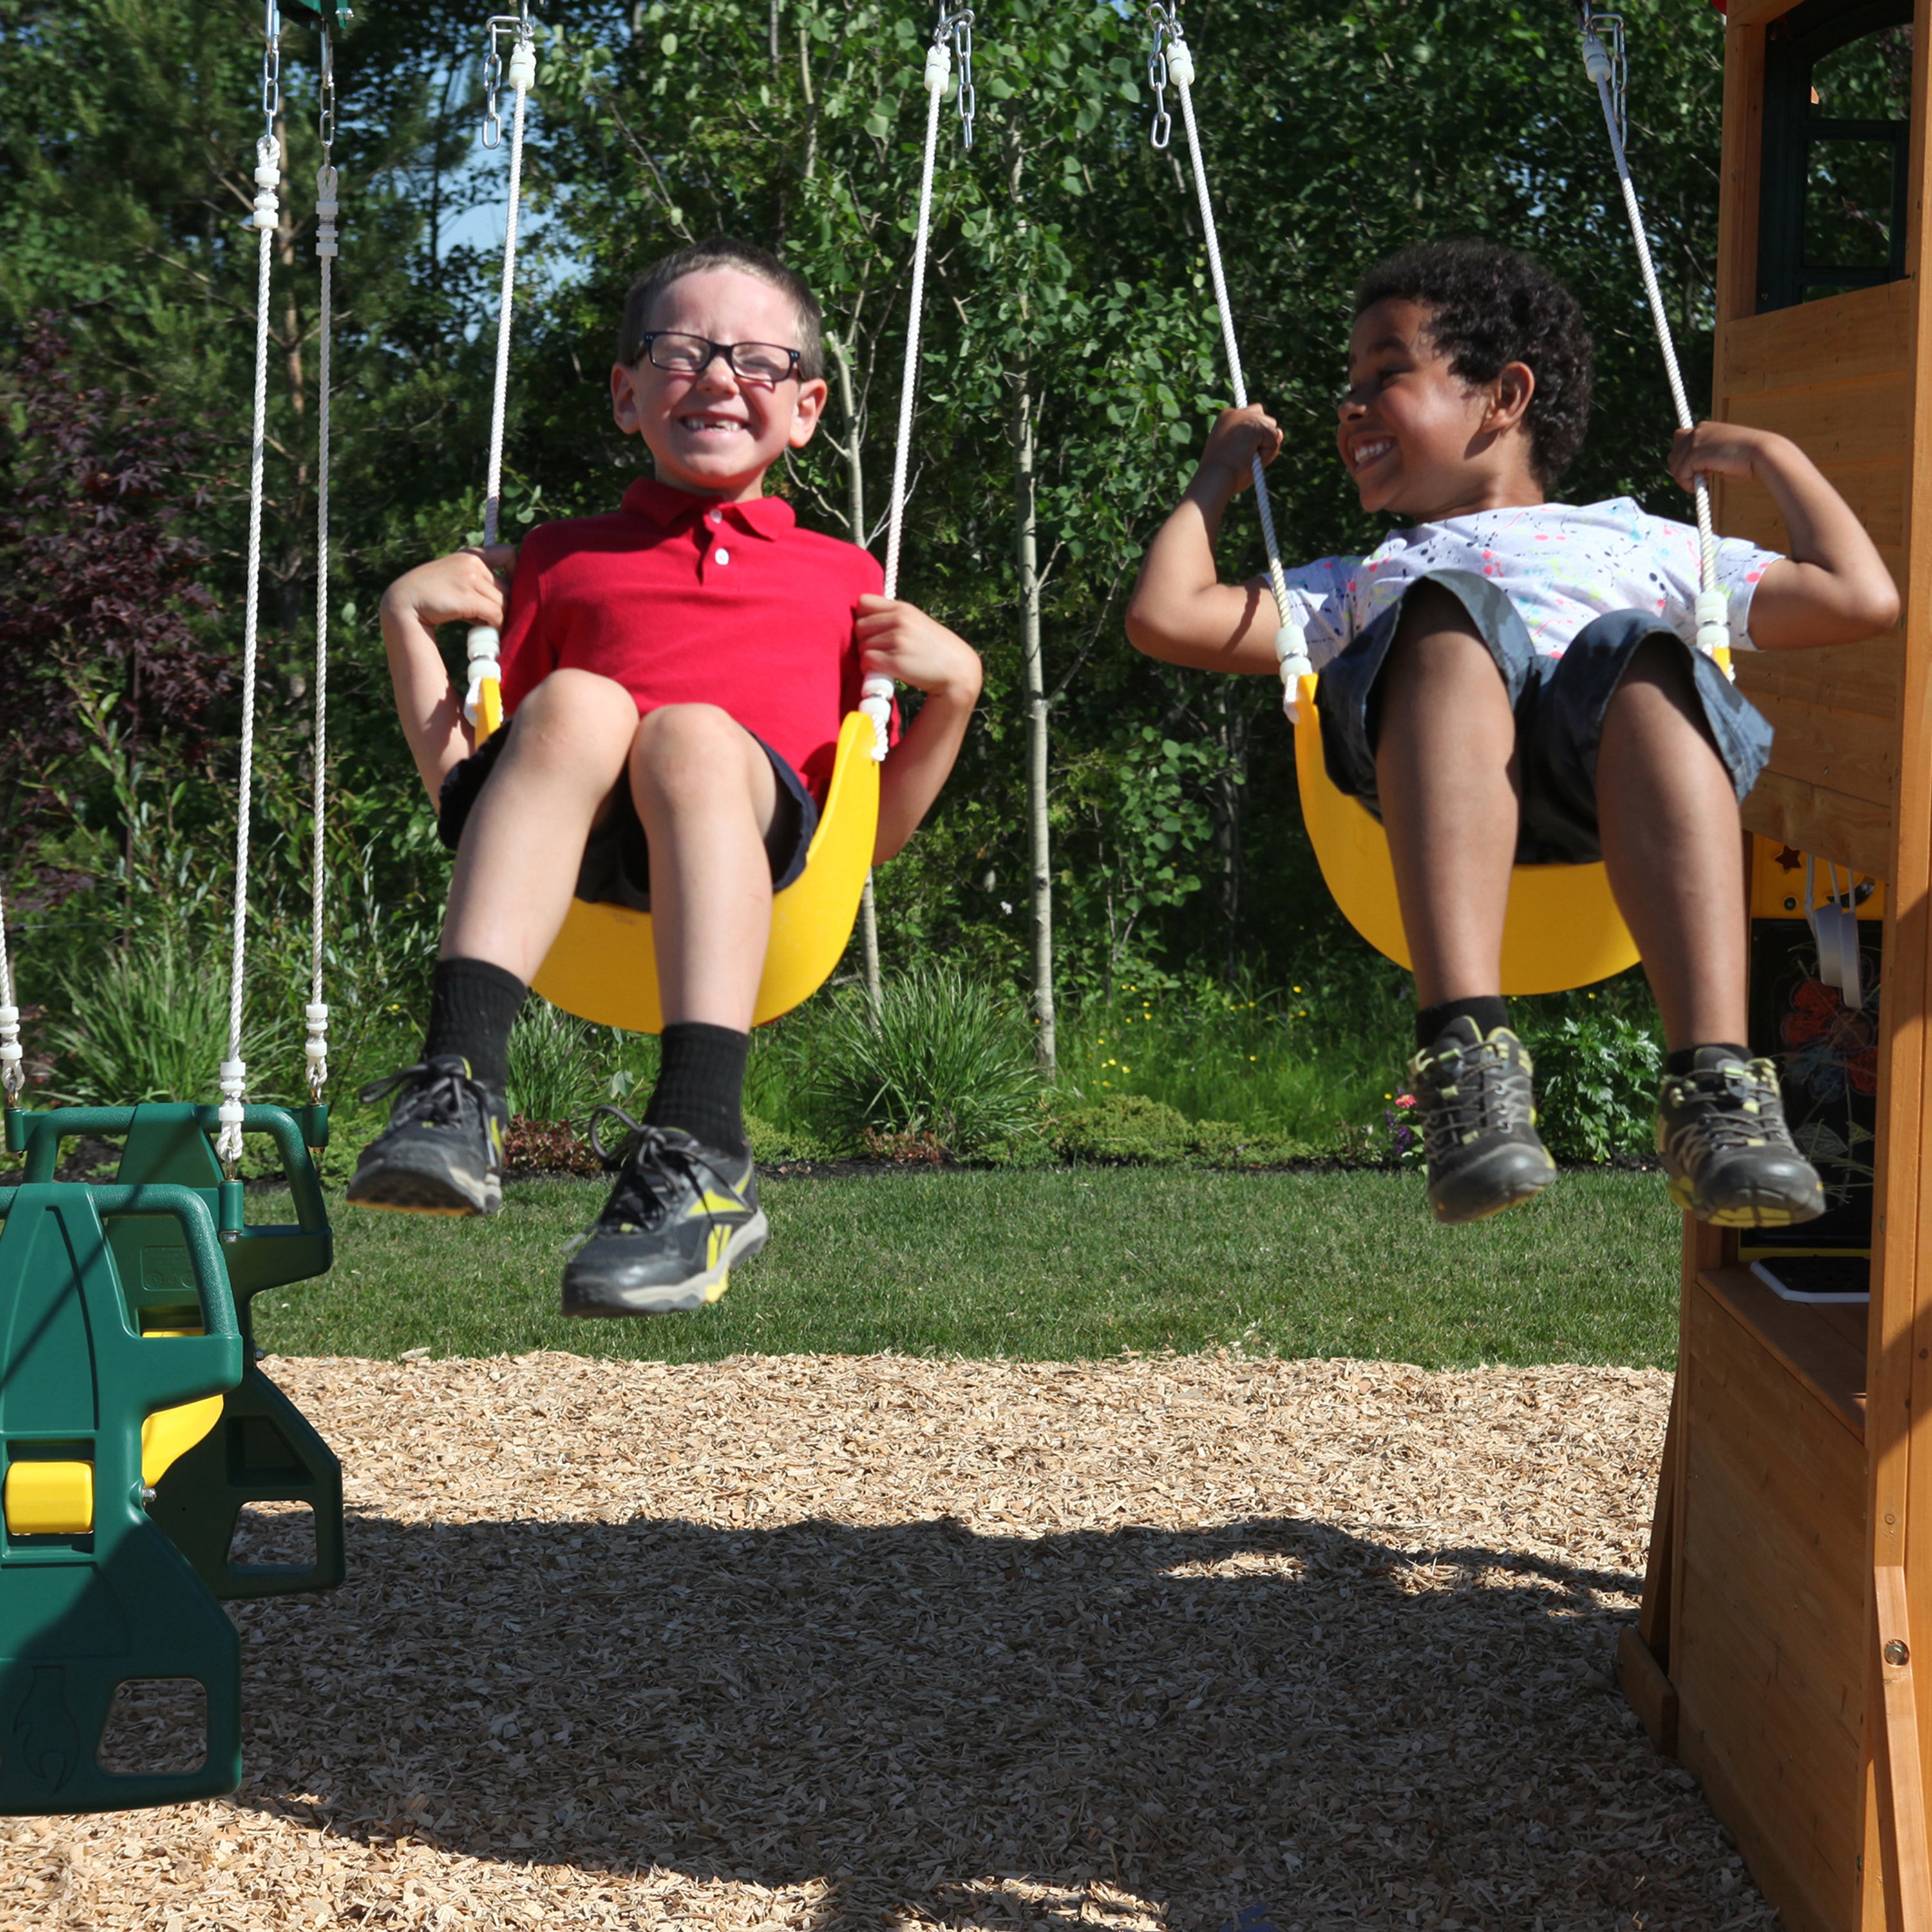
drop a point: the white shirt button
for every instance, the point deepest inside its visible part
(723, 556)
(715, 517)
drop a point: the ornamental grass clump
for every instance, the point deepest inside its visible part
(941, 1058)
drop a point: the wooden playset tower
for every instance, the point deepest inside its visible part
(1784, 1651)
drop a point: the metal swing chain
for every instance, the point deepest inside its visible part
(316, 1013)
(1170, 61)
(484, 670)
(954, 28)
(1604, 61)
(266, 216)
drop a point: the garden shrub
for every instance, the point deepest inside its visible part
(1596, 1084)
(1126, 1127)
(941, 1057)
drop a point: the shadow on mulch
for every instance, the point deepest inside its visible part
(1351, 1731)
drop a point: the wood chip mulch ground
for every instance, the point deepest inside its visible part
(789, 1642)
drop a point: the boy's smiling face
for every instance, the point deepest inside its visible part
(715, 433)
(1421, 442)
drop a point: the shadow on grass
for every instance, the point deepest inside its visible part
(928, 1725)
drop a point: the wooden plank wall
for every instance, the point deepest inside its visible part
(1836, 377)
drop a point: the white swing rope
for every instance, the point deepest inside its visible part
(1605, 65)
(954, 26)
(316, 1013)
(13, 1074)
(1171, 60)
(484, 640)
(268, 179)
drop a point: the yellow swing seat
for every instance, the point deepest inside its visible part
(604, 966)
(1563, 927)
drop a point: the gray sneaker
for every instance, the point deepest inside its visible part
(1472, 1091)
(443, 1151)
(681, 1215)
(1721, 1130)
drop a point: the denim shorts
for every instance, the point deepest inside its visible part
(1559, 704)
(616, 869)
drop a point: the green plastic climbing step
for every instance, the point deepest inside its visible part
(263, 1450)
(93, 1595)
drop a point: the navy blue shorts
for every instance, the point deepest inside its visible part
(616, 866)
(1559, 704)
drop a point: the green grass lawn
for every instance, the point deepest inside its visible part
(1043, 1263)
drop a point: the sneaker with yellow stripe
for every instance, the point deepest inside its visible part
(680, 1216)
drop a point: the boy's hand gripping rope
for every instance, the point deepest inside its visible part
(953, 28)
(1170, 60)
(1603, 62)
(482, 702)
(315, 1015)
(267, 216)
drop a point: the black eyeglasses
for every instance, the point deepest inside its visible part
(684, 355)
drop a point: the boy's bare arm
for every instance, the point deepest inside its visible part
(901, 640)
(1181, 611)
(463, 588)
(1832, 586)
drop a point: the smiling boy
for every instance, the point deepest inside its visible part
(676, 675)
(1506, 680)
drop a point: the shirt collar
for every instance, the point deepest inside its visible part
(673, 509)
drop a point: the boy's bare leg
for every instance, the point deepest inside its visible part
(1672, 843)
(1445, 767)
(707, 797)
(509, 892)
(1669, 818)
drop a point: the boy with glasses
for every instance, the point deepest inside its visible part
(676, 675)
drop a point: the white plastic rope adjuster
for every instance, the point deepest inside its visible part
(12, 1074)
(483, 667)
(1180, 63)
(326, 209)
(315, 1048)
(1291, 651)
(234, 1084)
(938, 67)
(1714, 622)
(876, 702)
(268, 179)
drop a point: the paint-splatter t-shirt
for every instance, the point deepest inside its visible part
(1560, 564)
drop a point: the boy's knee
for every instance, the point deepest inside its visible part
(571, 702)
(679, 746)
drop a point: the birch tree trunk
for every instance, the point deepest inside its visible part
(1027, 549)
(855, 512)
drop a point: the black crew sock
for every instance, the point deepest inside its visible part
(1685, 1060)
(473, 1006)
(1489, 1012)
(701, 1084)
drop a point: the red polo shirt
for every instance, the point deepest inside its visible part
(684, 601)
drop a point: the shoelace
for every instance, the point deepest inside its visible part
(1478, 1105)
(1718, 1129)
(438, 1100)
(632, 1200)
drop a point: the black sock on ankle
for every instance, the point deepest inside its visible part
(473, 1006)
(701, 1084)
(1685, 1060)
(1489, 1012)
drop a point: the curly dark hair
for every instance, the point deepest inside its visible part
(1489, 306)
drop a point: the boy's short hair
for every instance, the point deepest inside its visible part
(725, 251)
(1490, 305)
